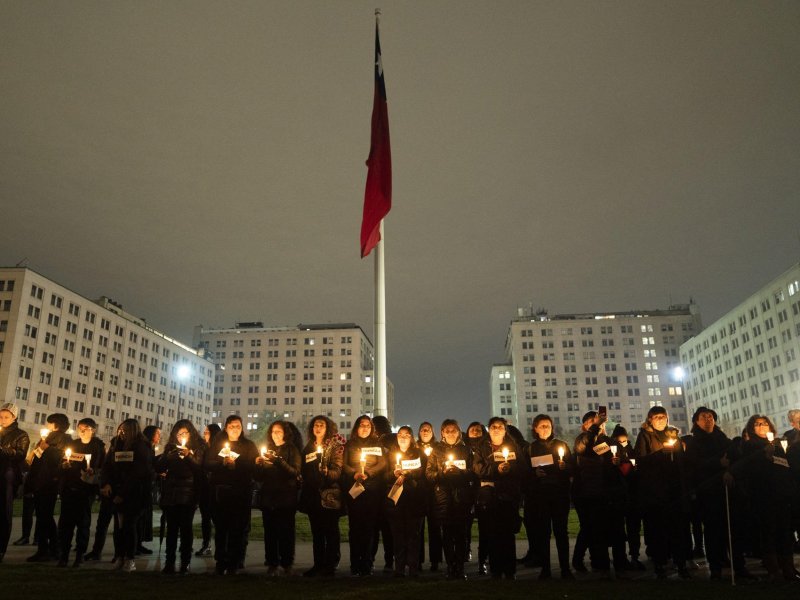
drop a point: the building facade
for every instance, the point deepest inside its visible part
(291, 373)
(746, 362)
(504, 398)
(61, 352)
(566, 365)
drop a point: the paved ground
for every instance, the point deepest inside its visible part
(303, 560)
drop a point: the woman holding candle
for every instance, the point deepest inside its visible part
(476, 435)
(766, 476)
(44, 474)
(277, 468)
(181, 467)
(405, 515)
(321, 470)
(14, 443)
(83, 459)
(449, 470)
(663, 491)
(633, 514)
(426, 440)
(499, 464)
(547, 486)
(125, 479)
(204, 495)
(363, 473)
(230, 460)
(144, 528)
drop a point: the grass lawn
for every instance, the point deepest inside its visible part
(43, 581)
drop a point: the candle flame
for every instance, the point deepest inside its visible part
(319, 449)
(505, 453)
(68, 452)
(561, 452)
(784, 445)
(428, 451)
(44, 432)
(263, 450)
(614, 450)
(363, 456)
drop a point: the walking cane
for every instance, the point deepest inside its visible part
(730, 537)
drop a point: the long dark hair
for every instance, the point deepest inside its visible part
(330, 428)
(288, 434)
(229, 420)
(354, 432)
(195, 440)
(130, 432)
(433, 433)
(750, 428)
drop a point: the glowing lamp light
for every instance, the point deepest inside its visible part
(678, 373)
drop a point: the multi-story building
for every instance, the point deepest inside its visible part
(61, 352)
(292, 373)
(566, 365)
(746, 362)
(504, 401)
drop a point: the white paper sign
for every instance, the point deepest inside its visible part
(356, 490)
(123, 456)
(410, 465)
(225, 453)
(395, 492)
(601, 448)
(372, 451)
(487, 483)
(780, 461)
(75, 457)
(38, 452)
(498, 456)
(542, 461)
(312, 457)
(460, 464)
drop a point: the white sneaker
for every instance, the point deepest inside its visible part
(130, 565)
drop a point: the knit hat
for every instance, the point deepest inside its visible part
(12, 408)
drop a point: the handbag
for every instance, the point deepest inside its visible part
(331, 498)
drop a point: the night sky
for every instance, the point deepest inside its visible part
(203, 162)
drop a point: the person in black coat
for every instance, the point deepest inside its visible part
(204, 496)
(277, 469)
(766, 474)
(406, 511)
(125, 479)
(633, 514)
(230, 461)
(450, 471)
(500, 466)
(664, 491)
(383, 530)
(546, 488)
(144, 528)
(181, 469)
(321, 472)
(14, 444)
(599, 491)
(363, 470)
(426, 440)
(80, 475)
(45, 475)
(476, 435)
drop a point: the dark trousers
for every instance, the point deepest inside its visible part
(499, 520)
(633, 531)
(101, 525)
(279, 536)
(383, 530)
(434, 540)
(205, 519)
(406, 530)
(454, 542)
(126, 521)
(549, 514)
(363, 519)
(28, 510)
(483, 538)
(582, 539)
(46, 523)
(179, 522)
(604, 526)
(75, 519)
(668, 526)
(6, 508)
(326, 538)
(231, 511)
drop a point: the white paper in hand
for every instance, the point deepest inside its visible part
(356, 490)
(395, 492)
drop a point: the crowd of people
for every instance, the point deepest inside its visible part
(686, 496)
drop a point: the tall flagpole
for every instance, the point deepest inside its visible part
(381, 406)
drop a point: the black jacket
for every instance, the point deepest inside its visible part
(375, 467)
(14, 443)
(494, 484)
(555, 482)
(129, 475)
(453, 489)
(45, 473)
(279, 478)
(239, 478)
(663, 477)
(73, 478)
(594, 474)
(313, 478)
(413, 500)
(704, 452)
(183, 477)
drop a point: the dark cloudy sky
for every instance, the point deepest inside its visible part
(203, 162)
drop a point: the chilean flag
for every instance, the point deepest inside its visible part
(378, 194)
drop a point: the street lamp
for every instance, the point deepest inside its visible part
(182, 374)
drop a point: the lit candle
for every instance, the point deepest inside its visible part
(428, 450)
(44, 432)
(670, 443)
(770, 436)
(561, 454)
(263, 451)
(633, 462)
(398, 456)
(319, 456)
(88, 459)
(449, 462)
(505, 454)
(182, 442)
(67, 453)
(227, 449)
(363, 461)
(614, 451)
(784, 445)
